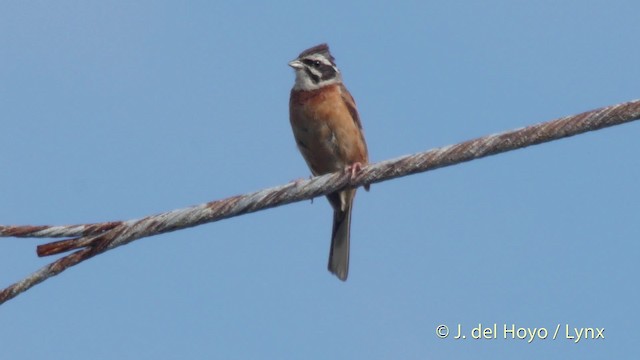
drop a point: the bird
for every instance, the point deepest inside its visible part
(328, 132)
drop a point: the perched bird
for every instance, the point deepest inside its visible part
(328, 132)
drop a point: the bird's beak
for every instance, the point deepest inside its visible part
(296, 64)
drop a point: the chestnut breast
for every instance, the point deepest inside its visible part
(326, 128)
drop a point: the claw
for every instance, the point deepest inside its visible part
(353, 171)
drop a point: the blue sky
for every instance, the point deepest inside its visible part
(117, 110)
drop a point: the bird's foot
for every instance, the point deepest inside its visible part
(353, 171)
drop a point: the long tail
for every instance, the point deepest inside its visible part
(339, 254)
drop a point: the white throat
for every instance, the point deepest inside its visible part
(304, 82)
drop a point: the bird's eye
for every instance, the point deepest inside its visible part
(316, 63)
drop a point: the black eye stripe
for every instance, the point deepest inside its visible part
(312, 63)
(318, 70)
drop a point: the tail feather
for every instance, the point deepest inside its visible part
(339, 254)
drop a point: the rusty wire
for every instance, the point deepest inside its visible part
(94, 239)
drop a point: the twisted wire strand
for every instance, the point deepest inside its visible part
(55, 231)
(97, 238)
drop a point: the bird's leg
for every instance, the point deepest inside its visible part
(353, 169)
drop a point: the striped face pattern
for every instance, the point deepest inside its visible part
(315, 68)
